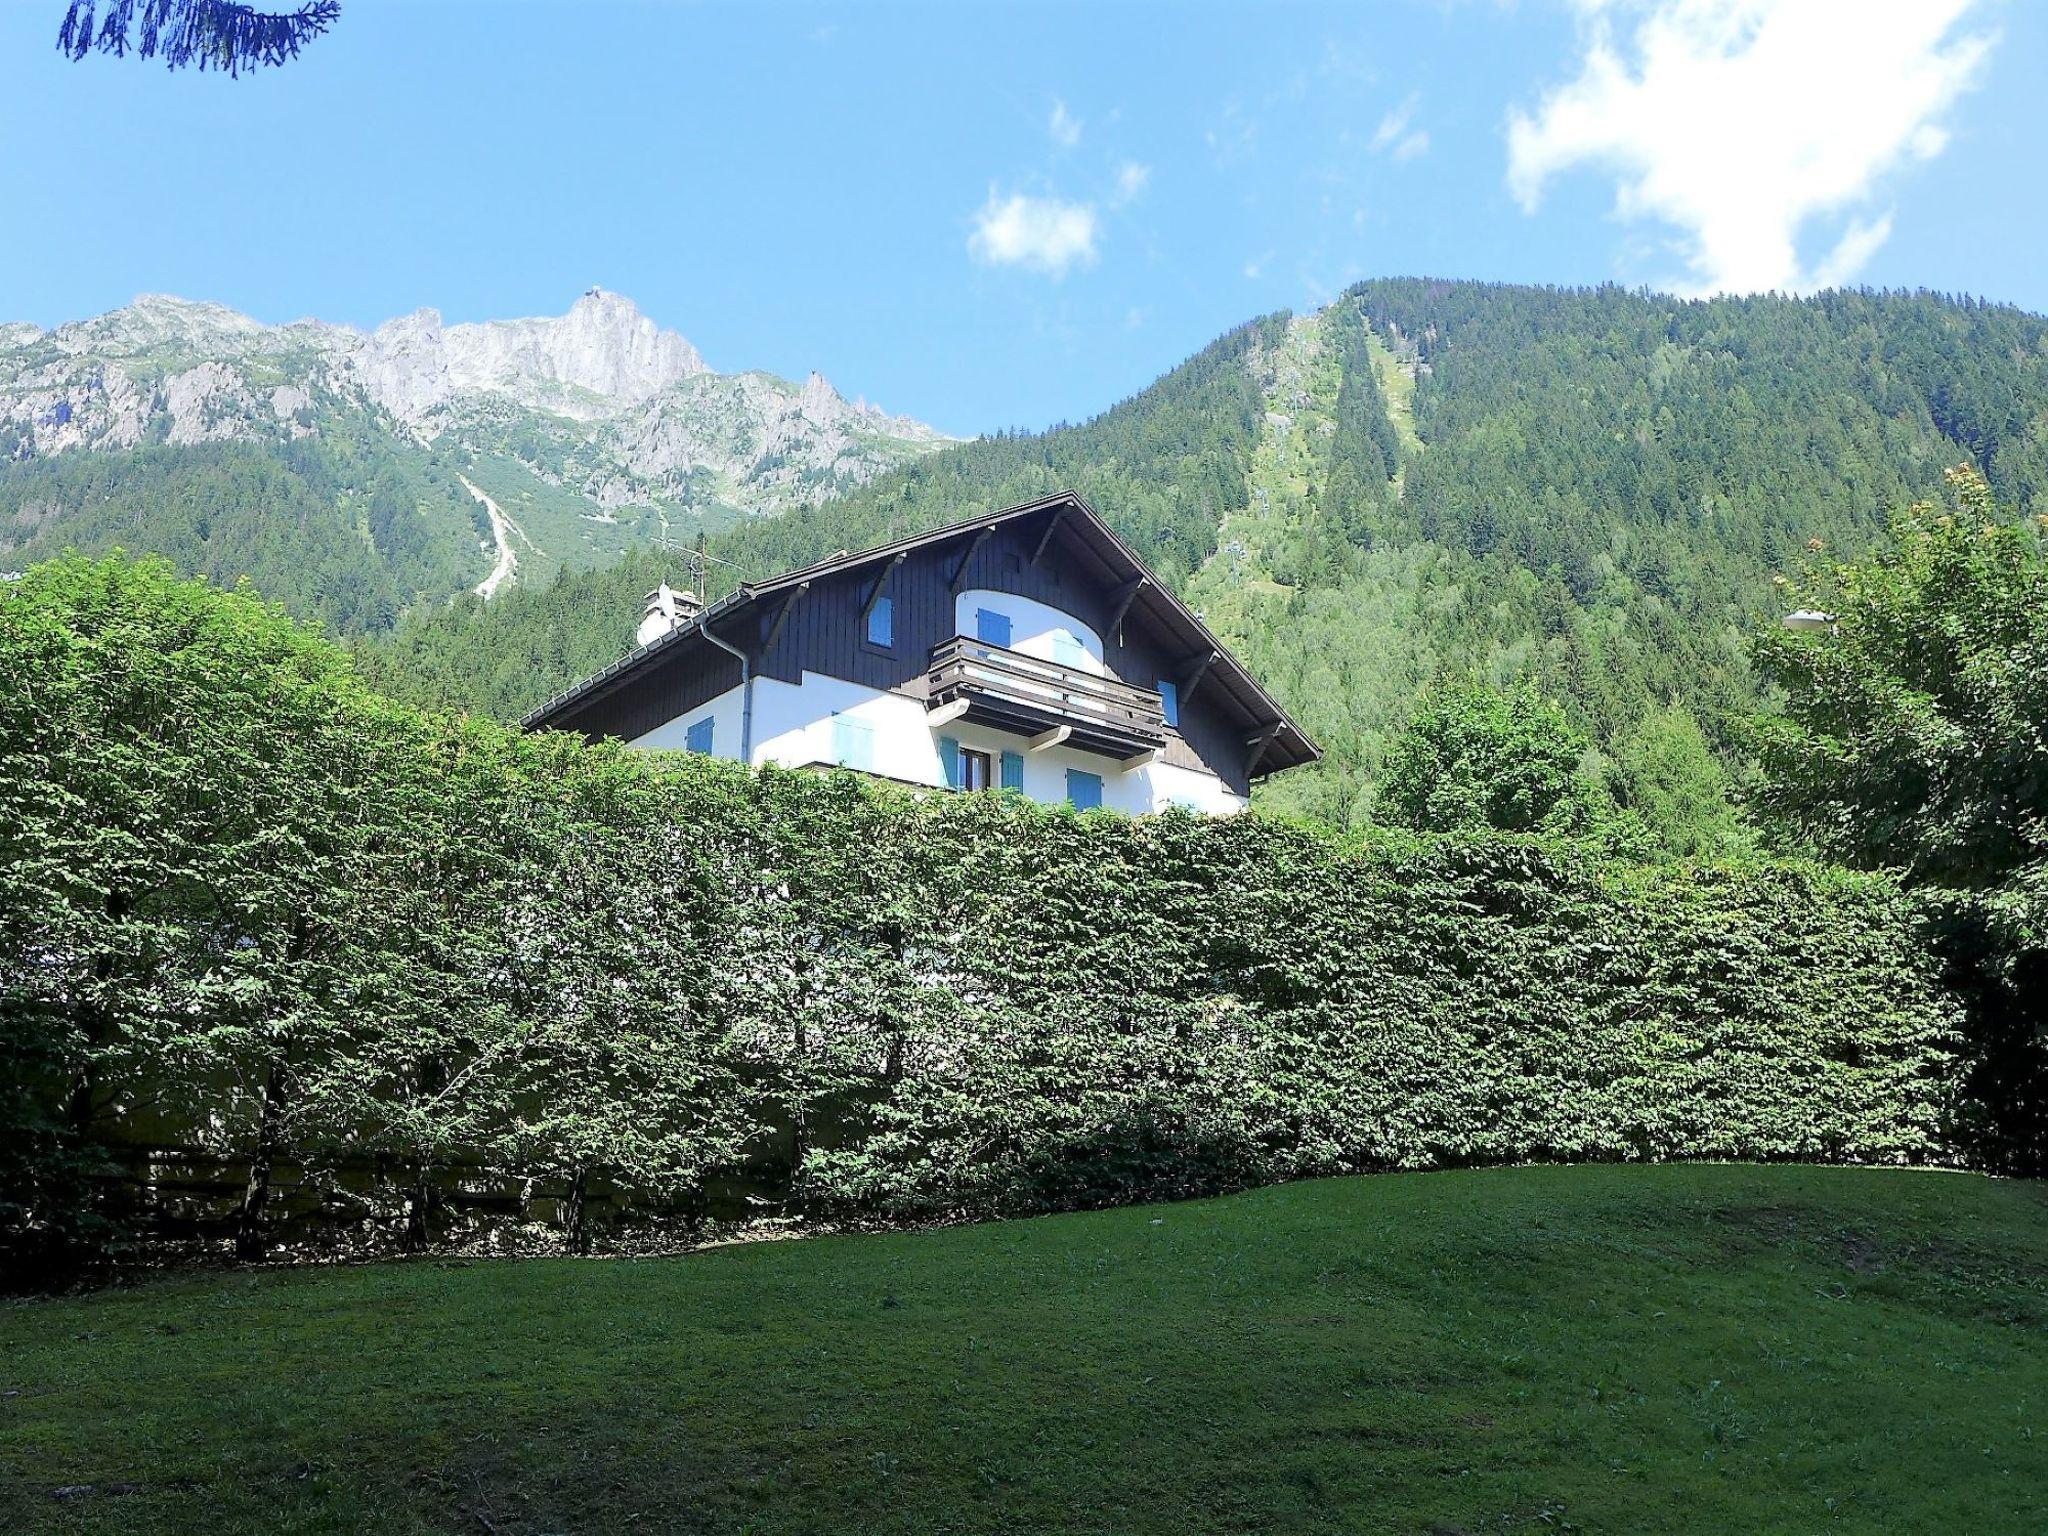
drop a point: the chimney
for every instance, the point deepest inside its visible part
(667, 609)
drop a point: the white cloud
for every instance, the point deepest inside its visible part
(1736, 122)
(1395, 135)
(1041, 234)
(1064, 127)
(1130, 181)
(1394, 124)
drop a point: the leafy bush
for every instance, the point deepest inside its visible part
(1914, 737)
(345, 953)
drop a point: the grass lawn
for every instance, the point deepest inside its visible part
(1714, 1349)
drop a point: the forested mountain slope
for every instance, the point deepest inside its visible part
(1591, 488)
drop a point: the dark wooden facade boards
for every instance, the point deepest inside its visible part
(814, 621)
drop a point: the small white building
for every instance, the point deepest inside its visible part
(1029, 650)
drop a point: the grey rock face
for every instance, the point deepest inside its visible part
(601, 399)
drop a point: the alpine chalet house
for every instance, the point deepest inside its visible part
(1028, 650)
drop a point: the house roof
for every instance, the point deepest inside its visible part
(1081, 526)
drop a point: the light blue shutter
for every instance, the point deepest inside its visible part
(1169, 699)
(1013, 770)
(698, 737)
(991, 628)
(853, 743)
(949, 760)
(1068, 651)
(882, 622)
(1084, 790)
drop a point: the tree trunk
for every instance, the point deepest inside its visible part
(423, 1200)
(576, 1211)
(419, 1205)
(96, 1029)
(249, 1241)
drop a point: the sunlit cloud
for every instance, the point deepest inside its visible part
(1737, 124)
(1395, 136)
(1040, 234)
(1064, 127)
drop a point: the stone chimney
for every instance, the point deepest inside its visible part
(667, 609)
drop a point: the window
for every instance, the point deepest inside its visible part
(1068, 651)
(1084, 790)
(698, 737)
(1013, 770)
(1169, 701)
(853, 743)
(882, 622)
(974, 768)
(990, 627)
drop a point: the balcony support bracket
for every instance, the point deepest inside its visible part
(881, 586)
(980, 538)
(782, 616)
(1125, 596)
(1255, 745)
(1052, 527)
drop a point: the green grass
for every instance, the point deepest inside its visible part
(1724, 1349)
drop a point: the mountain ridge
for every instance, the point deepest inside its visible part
(596, 430)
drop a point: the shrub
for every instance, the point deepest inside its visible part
(377, 969)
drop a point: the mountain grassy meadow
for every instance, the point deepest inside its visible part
(1623, 1349)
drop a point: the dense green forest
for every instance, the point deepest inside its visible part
(1587, 489)
(347, 530)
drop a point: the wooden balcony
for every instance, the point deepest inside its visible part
(1006, 690)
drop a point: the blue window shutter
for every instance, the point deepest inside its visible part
(1013, 770)
(853, 743)
(1169, 699)
(990, 627)
(882, 622)
(1084, 790)
(949, 759)
(698, 737)
(1068, 651)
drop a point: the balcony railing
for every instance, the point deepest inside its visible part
(1028, 695)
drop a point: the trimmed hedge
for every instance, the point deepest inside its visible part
(346, 967)
(1130, 1009)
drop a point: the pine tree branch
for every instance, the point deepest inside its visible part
(204, 34)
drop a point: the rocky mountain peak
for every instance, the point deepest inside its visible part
(153, 322)
(604, 354)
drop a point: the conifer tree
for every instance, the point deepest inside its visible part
(202, 34)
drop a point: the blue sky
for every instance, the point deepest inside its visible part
(992, 215)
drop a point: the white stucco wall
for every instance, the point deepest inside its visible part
(724, 712)
(1136, 791)
(793, 727)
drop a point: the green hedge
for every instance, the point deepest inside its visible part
(259, 916)
(1173, 1005)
